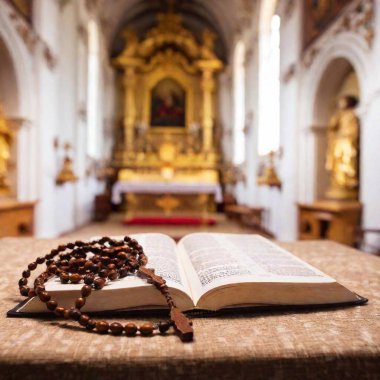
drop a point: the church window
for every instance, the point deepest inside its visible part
(239, 104)
(93, 93)
(269, 89)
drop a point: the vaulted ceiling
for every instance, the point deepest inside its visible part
(221, 16)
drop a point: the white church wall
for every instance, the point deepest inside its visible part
(279, 204)
(291, 21)
(46, 18)
(50, 63)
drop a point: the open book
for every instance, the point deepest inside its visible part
(210, 271)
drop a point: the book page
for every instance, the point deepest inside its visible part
(161, 252)
(214, 260)
(131, 291)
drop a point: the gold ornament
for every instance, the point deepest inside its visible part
(6, 138)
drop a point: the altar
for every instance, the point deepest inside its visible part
(167, 154)
(153, 195)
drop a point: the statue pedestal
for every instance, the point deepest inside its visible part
(16, 218)
(327, 219)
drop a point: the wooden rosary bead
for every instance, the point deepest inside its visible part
(130, 329)
(32, 266)
(44, 296)
(88, 279)
(75, 278)
(75, 314)
(146, 329)
(116, 328)
(83, 320)
(86, 290)
(112, 275)
(64, 277)
(66, 314)
(52, 269)
(40, 260)
(59, 310)
(22, 282)
(163, 327)
(79, 303)
(39, 288)
(51, 305)
(91, 324)
(103, 273)
(123, 272)
(31, 293)
(122, 256)
(26, 273)
(24, 291)
(99, 283)
(102, 327)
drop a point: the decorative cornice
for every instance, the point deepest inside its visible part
(359, 21)
(358, 18)
(32, 40)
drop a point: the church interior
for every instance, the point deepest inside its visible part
(180, 116)
(187, 156)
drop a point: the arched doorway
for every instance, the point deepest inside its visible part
(338, 79)
(9, 97)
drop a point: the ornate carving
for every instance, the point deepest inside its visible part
(168, 51)
(32, 40)
(66, 174)
(268, 175)
(357, 18)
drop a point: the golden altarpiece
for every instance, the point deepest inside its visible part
(168, 129)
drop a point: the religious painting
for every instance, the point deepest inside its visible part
(168, 104)
(318, 16)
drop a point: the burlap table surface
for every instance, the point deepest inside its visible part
(325, 344)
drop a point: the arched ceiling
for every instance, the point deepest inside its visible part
(221, 16)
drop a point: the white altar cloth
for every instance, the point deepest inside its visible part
(121, 187)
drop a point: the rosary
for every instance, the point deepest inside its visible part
(111, 259)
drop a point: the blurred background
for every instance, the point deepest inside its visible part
(245, 116)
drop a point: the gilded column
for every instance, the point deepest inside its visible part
(129, 83)
(208, 86)
(208, 68)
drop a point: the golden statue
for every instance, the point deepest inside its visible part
(342, 161)
(6, 137)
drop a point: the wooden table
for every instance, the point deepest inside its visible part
(325, 344)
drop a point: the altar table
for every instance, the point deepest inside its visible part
(341, 343)
(121, 187)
